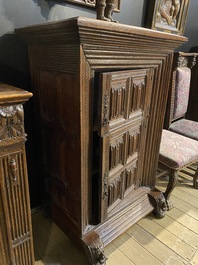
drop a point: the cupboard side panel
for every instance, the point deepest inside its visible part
(57, 116)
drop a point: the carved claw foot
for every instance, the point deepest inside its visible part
(158, 201)
(173, 178)
(94, 249)
(169, 205)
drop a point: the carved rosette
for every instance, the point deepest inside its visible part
(11, 122)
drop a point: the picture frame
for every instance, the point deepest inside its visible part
(168, 15)
(88, 3)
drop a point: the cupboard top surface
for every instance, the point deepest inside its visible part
(93, 27)
(11, 94)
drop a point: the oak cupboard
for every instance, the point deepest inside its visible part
(100, 94)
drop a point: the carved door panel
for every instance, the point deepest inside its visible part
(125, 99)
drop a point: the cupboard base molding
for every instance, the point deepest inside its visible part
(100, 236)
(119, 222)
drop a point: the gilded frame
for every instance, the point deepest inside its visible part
(89, 3)
(168, 15)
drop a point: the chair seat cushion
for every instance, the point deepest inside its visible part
(185, 127)
(177, 151)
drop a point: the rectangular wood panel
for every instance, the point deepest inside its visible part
(125, 98)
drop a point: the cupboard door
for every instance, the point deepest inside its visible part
(124, 114)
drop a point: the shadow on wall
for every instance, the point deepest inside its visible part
(45, 7)
(145, 13)
(6, 24)
(53, 11)
(13, 61)
(14, 70)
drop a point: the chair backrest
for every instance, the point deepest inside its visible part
(181, 91)
(178, 97)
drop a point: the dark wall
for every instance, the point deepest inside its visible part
(14, 59)
(14, 71)
(191, 29)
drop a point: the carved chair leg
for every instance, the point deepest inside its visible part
(173, 178)
(195, 179)
(94, 249)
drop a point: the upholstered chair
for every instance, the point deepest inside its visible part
(179, 142)
(176, 153)
(179, 95)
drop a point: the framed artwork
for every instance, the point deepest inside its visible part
(89, 3)
(168, 15)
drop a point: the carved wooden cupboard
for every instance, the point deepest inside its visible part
(100, 93)
(16, 244)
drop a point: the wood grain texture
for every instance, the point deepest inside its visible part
(100, 93)
(16, 244)
(149, 241)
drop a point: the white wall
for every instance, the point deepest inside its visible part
(6, 24)
(20, 13)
